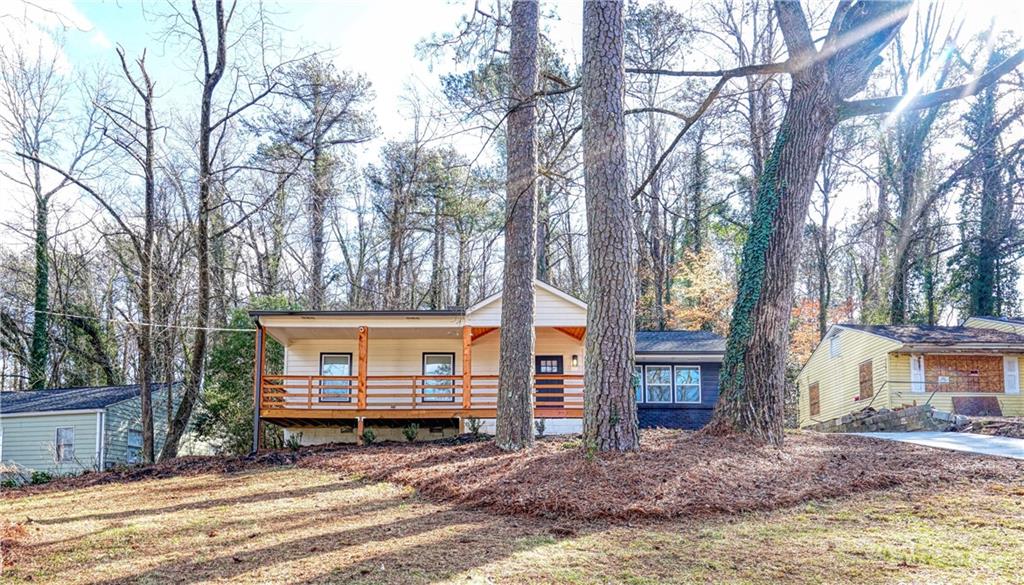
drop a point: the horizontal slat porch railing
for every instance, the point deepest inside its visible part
(556, 395)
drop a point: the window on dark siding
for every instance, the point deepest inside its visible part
(659, 384)
(687, 383)
(815, 398)
(638, 382)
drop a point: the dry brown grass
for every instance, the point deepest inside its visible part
(306, 526)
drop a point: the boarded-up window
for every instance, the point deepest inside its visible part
(964, 373)
(815, 397)
(867, 382)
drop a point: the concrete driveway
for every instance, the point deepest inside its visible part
(969, 442)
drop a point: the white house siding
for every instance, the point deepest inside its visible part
(127, 415)
(550, 310)
(28, 441)
(404, 357)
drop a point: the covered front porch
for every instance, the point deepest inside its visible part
(414, 366)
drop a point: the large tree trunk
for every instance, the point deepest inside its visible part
(610, 422)
(197, 367)
(515, 368)
(146, 279)
(317, 211)
(40, 350)
(753, 372)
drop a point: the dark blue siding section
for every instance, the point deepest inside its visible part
(683, 416)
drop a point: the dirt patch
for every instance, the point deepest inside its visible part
(675, 474)
(12, 536)
(997, 425)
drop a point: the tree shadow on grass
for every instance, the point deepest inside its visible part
(210, 503)
(439, 557)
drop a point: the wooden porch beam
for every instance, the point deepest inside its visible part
(259, 369)
(364, 334)
(467, 365)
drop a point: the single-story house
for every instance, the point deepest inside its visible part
(891, 366)
(69, 430)
(345, 371)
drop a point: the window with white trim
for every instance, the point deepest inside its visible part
(336, 364)
(638, 382)
(687, 383)
(659, 384)
(133, 453)
(65, 444)
(439, 364)
(833, 345)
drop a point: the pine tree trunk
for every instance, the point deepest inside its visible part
(610, 420)
(515, 368)
(753, 372)
(317, 210)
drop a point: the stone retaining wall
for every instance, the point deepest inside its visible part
(914, 418)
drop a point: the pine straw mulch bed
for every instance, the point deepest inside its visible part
(676, 474)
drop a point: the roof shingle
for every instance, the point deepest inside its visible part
(939, 335)
(59, 399)
(682, 342)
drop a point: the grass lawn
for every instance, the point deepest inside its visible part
(297, 525)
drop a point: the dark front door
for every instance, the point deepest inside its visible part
(549, 391)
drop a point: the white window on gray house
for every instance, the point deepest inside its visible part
(659, 383)
(65, 444)
(134, 452)
(687, 384)
(833, 346)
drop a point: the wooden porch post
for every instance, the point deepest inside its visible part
(364, 333)
(257, 387)
(467, 366)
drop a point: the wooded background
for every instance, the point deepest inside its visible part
(254, 196)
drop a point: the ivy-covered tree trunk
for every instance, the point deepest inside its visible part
(753, 372)
(38, 358)
(990, 232)
(514, 427)
(609, 419)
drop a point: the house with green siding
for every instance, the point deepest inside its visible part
(69, 430)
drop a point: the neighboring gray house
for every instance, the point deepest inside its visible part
(68, 430)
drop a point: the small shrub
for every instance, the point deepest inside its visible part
(590, 450)
(540, 425)
(474, 425)
(411, 432)
(369, 437)
(40, 477)
(572, 444)
(9, 483)
(294, 441)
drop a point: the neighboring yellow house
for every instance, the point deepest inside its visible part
(891, 366)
